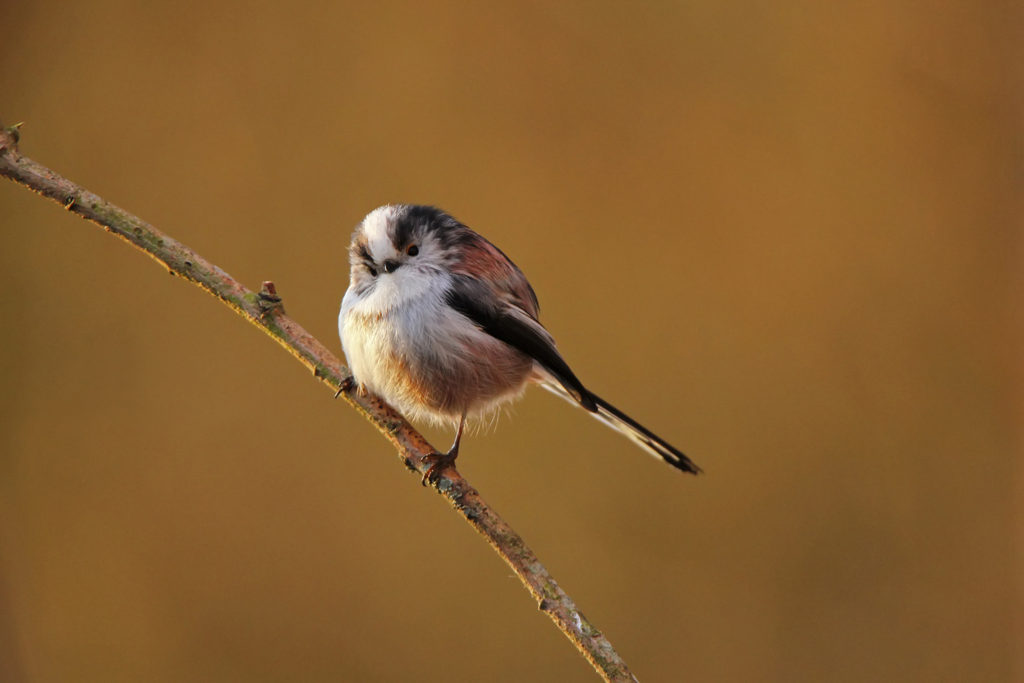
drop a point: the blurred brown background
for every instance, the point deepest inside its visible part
(786, 236)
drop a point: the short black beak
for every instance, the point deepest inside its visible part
(391, 266)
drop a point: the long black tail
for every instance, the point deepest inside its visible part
(643, 437)
(627, 426)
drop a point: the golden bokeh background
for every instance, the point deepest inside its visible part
(786, 236)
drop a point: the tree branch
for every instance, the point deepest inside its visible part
(264, 310)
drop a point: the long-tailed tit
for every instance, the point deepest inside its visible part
(438, 322)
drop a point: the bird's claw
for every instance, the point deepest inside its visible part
(344, 385)
(438, 463)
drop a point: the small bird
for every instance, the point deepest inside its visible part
(442, 325)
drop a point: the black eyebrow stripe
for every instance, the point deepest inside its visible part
(364, 253)
(402, 234)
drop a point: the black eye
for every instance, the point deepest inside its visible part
(373, 271)
(412, 250)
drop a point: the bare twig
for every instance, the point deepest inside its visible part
(265, 310)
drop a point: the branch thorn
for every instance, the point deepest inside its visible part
(9, 138)
(268, 300)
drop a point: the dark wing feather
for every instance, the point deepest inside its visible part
(519, 330)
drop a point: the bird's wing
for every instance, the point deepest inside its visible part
(504, 320)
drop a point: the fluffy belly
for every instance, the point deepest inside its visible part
(428, 374)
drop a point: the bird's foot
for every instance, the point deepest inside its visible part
(345, 385)
(438, 463)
